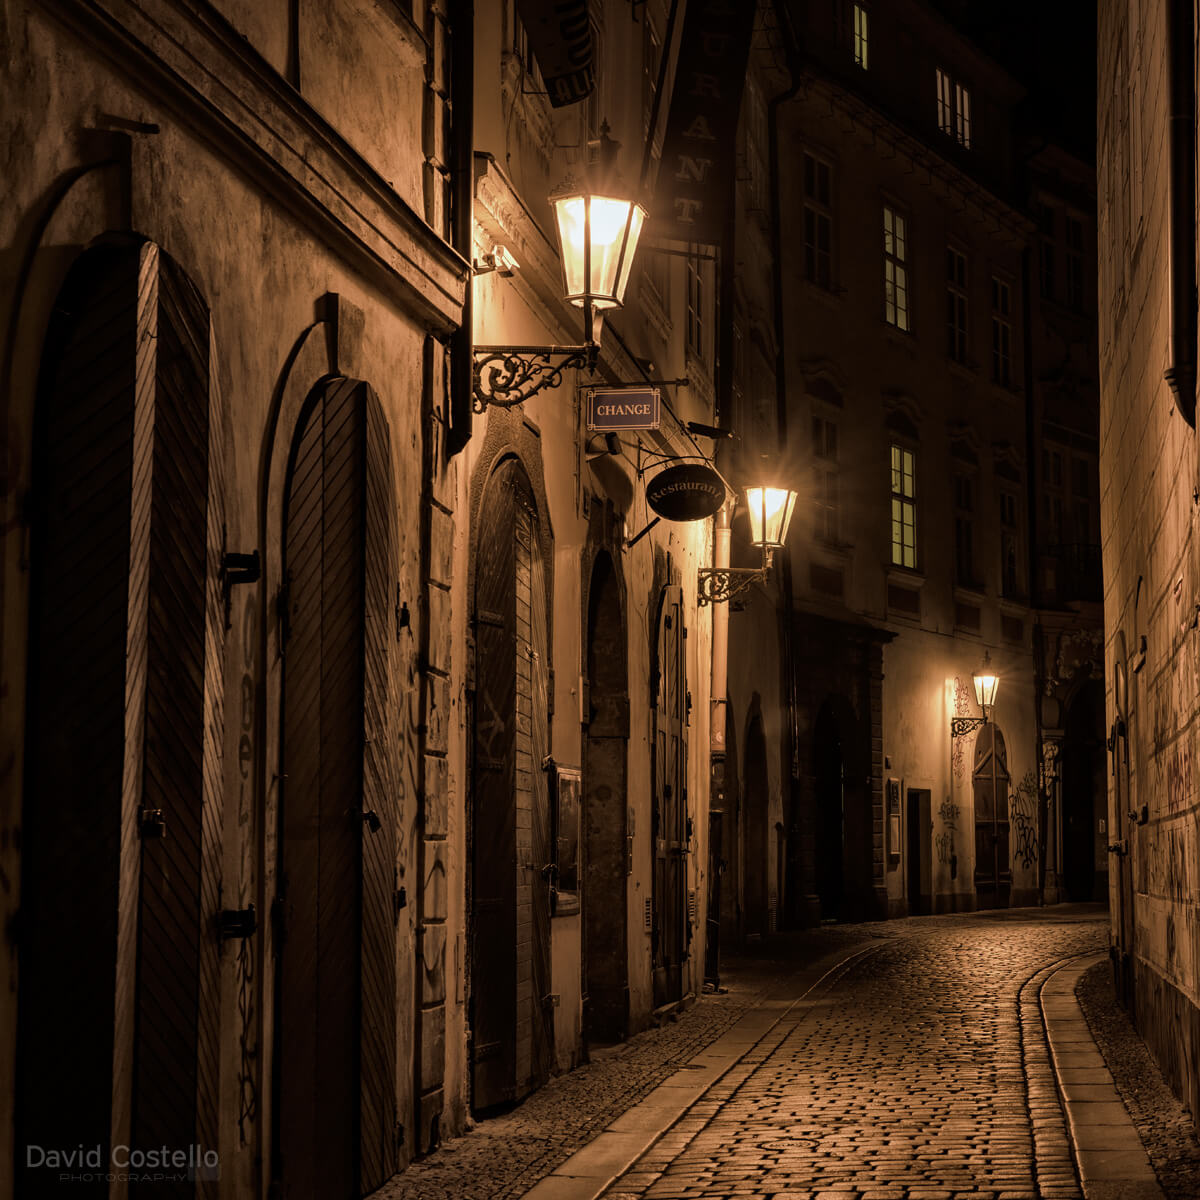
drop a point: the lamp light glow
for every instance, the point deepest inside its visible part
(987, 682)
(598, 237)
(770, 511)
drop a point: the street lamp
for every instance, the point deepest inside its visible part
(598, 234)
(987, 683)
(770, 511)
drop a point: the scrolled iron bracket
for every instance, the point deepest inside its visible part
(505, 376)
(716, 585)
(960, 726)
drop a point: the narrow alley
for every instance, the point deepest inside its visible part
(922, 1059)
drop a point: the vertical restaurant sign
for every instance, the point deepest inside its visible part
(694, 192)
(560, 36)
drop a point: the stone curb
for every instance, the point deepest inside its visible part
(591, 1169)
(1111, 1160)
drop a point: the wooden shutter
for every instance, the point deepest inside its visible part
(494, 848)
(337, 984)
(79, 674)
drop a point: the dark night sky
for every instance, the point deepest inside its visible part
(1050, 47)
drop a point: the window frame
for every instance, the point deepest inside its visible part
(820, 209)
(860, 35)
(904, 502)
(1002, 326)
(957, 304)
(897, 310)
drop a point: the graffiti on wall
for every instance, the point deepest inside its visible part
(248, 1043)
(963, 694)
(1023, 815)
(944, 842)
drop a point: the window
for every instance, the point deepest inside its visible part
(904, 507)
(825, 479)
(860, 36)
(1081, 500)
(651, 53)
(1009, 545)
(956, 304)
(818, 222)
(964, 530)
(1001, 333)
(1046, 252)
(1075, 262)
(1052, 499)
(895, 272)
(953, 109)
(695, 304)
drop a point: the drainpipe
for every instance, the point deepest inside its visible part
(783, 559)
(462, 216)
(1181, 41)
(717, 791)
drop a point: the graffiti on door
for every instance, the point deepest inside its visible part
(1024, 820)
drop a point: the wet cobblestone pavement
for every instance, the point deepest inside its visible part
(918, 1073)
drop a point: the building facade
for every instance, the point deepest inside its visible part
(356, 731)
(925, 368)
(1147, 235)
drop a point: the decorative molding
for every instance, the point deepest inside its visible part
(225, 93)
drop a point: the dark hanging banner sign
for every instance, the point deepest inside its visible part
(695, 178)
(622, 408)
(561, 40)
(686, 492)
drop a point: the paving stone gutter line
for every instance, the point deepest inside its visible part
(1111, 1160)
(588, 1171)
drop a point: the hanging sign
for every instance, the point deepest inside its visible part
(686, 492)
(622, 408)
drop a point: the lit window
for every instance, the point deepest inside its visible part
(1001, 333)
(818, 222)
(904, 507)
(860, 36)
(1074, 262)
(895, 272)
(956, 305)
(953, 108)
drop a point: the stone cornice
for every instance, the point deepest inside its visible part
(189, 58)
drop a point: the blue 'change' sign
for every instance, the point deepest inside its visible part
(622, 408)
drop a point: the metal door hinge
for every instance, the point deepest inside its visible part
(237, 922)
(151, 823)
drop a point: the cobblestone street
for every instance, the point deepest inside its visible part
(919, 1073)
(933, 1058)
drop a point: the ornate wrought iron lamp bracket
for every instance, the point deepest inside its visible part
(715, 585)
(507, 375)
(960, 726)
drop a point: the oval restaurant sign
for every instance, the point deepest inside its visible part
(686, 492)
(622, 408)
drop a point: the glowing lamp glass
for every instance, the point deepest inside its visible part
(597, 239)
(986, 685)
(770, 512)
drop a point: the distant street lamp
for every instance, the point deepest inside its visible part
(987, 683)
(770, 511)
(598, 232)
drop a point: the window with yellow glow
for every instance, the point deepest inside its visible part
(904, 507)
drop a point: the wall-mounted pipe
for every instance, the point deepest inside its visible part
(1181, 374)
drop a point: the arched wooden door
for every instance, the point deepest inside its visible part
(118, 1006)
(993, 866)
(606, 853)
(671, 930)
(335, 1127)
(512, 1031)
